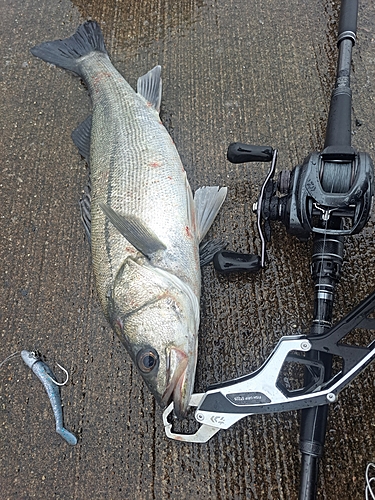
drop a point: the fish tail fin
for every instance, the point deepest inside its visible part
(68, 436)
(66, 53)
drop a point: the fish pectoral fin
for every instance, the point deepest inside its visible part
(208, 201)
(82, 136)
(208, 250)
(133, 229)
(149, 86)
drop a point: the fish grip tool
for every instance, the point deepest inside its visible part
(264, 391)
(327, 197)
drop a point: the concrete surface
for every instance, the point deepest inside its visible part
(253, 71)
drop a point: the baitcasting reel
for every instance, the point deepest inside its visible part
(330, 193)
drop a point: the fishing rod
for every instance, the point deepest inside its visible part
(328, 197)
(339, 164)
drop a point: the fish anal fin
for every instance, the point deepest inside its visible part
(208, 201)
(81, 137)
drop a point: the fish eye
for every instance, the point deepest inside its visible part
(147, 359)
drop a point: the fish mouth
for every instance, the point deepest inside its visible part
(176, 389)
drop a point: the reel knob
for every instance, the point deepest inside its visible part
(244, 153)
(231, 262)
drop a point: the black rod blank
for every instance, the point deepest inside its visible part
(338, 143)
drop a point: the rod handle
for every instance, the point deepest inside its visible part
(348, 19)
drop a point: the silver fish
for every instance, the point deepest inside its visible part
(46, 376)
(145, 226)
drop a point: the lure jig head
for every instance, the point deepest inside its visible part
(46, 376)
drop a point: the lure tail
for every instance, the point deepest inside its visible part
(68, 436)
(67, 53)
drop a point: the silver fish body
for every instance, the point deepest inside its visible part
(145, 228)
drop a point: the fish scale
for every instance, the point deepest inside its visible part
(144, 228)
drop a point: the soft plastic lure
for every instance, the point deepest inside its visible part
(46, 376)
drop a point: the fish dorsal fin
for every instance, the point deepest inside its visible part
(133, 229)
(208, 201)
(149, 86)
(82, 137)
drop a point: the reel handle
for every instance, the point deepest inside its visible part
(227, 262)
(233, 262)
(244, 153)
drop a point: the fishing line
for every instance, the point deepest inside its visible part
(325, 178)
(369, 492)
(10, 356)
(336, 177)
(319, 311)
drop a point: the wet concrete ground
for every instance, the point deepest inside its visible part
(253, 71)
